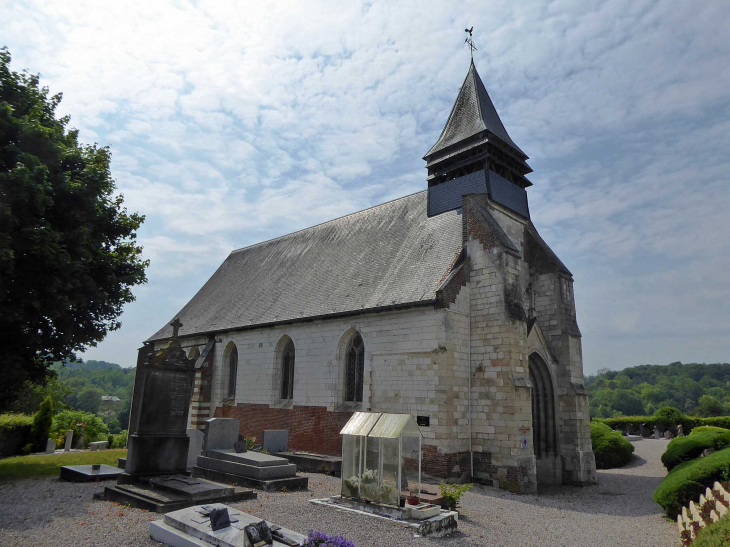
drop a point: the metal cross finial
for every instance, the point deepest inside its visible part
(176, 324)
(472, 47)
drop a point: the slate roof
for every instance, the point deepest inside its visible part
(472, 113)
(390, 255)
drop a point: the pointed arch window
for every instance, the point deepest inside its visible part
(287, 372)
(232, 372)
(354, 369)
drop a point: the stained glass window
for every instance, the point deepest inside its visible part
(355, 369)
(287, 372)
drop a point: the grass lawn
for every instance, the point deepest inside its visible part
(31, 467)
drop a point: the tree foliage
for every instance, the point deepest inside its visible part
(695, 389)
(68, 251)
(42, 422)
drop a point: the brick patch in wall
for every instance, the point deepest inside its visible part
(311, 428)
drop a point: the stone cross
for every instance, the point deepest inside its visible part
(176, 324)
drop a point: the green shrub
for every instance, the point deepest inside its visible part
(714, 535)
(82, 423)
(683, 449)
(702, 428)
(15, 433)
(610, 447)
(42, 422)
(118, 440)
(668, 416)
(452, 493)
(688, 422)
(688, 480)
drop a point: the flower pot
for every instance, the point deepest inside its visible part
(412, 500)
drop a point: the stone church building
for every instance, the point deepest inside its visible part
(445, 304)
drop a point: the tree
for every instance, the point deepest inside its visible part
(31, 395)
(68, 251)
(89, 400)
(42, 422)
(710, 406)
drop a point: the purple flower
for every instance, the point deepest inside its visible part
(320, 539)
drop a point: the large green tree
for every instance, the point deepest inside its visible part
(68, 251)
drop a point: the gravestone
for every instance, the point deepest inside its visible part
(69, 440)
(155, 472)
(657, 434)
(196, 445)
(50, 446)
(221, 433)
(98, 445)
(275, 440)
(644, 431)
(158, 442)
(79, 442)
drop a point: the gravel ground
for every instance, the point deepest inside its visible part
(617, 512)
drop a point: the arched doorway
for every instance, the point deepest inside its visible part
(544, 425)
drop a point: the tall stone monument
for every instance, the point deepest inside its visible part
(155, 476)
(158, 440)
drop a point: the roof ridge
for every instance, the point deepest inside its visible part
(323, 223)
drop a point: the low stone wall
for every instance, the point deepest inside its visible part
(712, 505)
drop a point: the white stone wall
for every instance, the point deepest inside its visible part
(415, 362)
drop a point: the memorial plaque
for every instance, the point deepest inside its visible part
(219, 519)
(258, 535)
(168, 395)
(240, 447)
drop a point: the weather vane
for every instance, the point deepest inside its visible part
(472, 47)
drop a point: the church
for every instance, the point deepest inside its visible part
(445, 304)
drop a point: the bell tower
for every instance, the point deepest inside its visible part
(475, 154)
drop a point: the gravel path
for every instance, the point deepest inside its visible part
(617, 512)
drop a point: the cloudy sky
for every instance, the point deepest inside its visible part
(234, 122)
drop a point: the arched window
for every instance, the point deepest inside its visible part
(232, 372)
(287, 372)
(354, 369)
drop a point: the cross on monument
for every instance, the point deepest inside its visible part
(472, 47)
(176, 324)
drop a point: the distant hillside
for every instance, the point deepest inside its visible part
(696, 389)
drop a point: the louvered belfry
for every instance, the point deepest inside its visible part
(475, 154)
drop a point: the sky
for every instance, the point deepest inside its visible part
(234, 122)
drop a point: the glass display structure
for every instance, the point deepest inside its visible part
(381, 458)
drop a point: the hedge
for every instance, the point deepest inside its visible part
(683, 449)
(83, 423)
(610, 447)
(688, 480)
(688, 422)
(15, 433)
(714, 535)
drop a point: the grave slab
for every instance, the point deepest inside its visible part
(314, 463)
(245, 470)
(252, 458)
(190, 527)
(275, 440)
(285, 483)
(85, 473)
(50, 446)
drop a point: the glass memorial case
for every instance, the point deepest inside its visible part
(381, 458)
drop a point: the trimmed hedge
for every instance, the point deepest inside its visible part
(688, 480)
(15, 433)
(610, 447)
(683, 449)
(688, 422)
